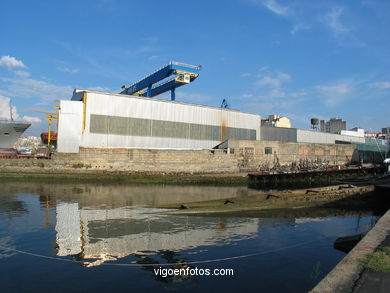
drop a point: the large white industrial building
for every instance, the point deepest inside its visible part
(107, 120)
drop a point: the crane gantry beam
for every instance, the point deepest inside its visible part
(151, 85)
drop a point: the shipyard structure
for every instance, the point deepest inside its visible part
(110, 131)
(135, 131)
(106, 120)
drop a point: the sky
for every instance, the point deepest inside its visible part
(299, 59)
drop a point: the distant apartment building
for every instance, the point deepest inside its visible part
(276, 121)
(334, 125)
(386, 130)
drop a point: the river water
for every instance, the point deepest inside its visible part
(62, 237)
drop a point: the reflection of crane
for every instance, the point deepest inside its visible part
(47, 209)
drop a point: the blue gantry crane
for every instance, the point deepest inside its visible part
(167, 78)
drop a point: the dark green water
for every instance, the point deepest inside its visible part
(103, 238)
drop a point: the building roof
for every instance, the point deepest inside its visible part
(157, 100)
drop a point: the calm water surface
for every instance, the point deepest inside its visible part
(103, 238)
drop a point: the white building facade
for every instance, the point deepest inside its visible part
(108, 120)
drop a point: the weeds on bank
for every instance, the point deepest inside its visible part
(379, 260)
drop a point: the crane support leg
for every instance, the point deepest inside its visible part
(173, 95)
(149, 91)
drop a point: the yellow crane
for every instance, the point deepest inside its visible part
(50, 117)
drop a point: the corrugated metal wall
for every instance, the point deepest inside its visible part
(306, 136)
(147, 127)
(278, 134)
(114, 120)
(311, 136)
(69, 126)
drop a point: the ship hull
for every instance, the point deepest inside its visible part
(10, 132)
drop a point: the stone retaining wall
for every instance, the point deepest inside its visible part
(240, 156)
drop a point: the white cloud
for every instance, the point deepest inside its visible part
(338, 20)
(337, 89)
(31, 88)
(269, 85)
(298, 27)
(31, 119)
(99, 89)
(68, 70)
(247, 95)
(5, 104)
(332, 20)
(273, 80)
(22, 73)
(380, 84)
(294, 13)
(148, 45)
(193, 97)
(274, 7)
(5, 107)
(335, 93)
(11, 63)
(300, 93)
(153, 57)
(266, 107)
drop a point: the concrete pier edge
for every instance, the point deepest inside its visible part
(346, 273)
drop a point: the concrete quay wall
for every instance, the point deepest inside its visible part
(240, 156)
(348, 271)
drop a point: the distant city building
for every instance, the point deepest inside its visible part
(370, 134)
(386, 130)
(356, 131)
(376, 135)
(334, 125)
(276, 121)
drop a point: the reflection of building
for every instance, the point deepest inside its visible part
(109, 234)
(68, 229)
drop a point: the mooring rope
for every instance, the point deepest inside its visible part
(165, 264)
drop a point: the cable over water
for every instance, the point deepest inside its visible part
(166, 264)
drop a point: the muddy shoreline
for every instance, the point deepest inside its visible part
(343, 196)
(238, 179)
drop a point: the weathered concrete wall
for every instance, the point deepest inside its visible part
(240, 156)
(267, 154)
(348, 271)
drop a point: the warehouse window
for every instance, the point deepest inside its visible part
(249, 151)
(268, 150)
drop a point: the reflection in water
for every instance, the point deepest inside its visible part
(121, 195)
(109, 234)
(12, 207)
(6, 244)
(56, 223)
(149, 263)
